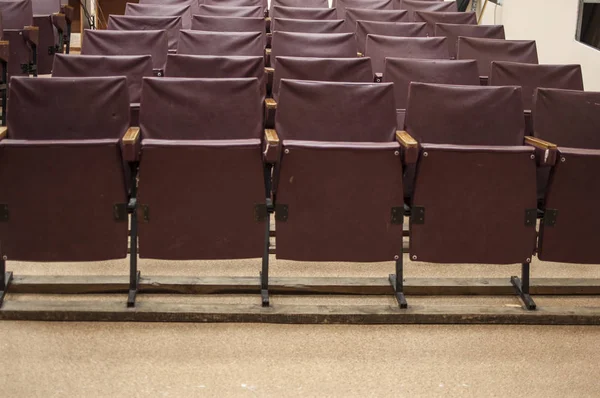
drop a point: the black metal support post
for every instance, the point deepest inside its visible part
(67, 38)
(264, 274)
(522, 287)
(4, 90)
(134, 274)
(397, 282)
(33, 67)
(5, 278)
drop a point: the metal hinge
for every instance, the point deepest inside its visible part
(120, 212)
(281, 212)
(530, 217)
(145, 213)
(549, 219)
(398, 215)
(260, 212)
(3, 212)
(417, 215)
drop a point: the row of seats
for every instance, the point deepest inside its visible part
(341, 162)
(336, 189)
(35, 31)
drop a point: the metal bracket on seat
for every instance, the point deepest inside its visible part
(397, 215)
(120, 212)
(3, 212)
(281, 212)
(530, 217)
(145, 212)
(549, 219)
(417, 215)
(261, 212)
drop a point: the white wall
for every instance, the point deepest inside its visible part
(552, 23)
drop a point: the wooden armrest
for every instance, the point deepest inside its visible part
(30, 27)
(131, 136)
(268, 19)
(59, 14)
(539, 143)
(269, 70)
(270, 103)
(268, 51)
(406, 140)
(359, 54)
(271, 137)
(4, 132)
(3, 43)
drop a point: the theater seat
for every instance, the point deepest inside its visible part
(134, 42)
(381, 47)
(172, 25)
(474, 197)
(453, 31)
(484, 51)
(338, 141)
(133, 67)
(396, 29)
(431, 18)
(161, 10)
(353, 15)
(569, 228)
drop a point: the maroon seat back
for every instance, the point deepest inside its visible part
(453, 124)
(72, 162)
(472, 172)
(219, 67)
(570, 119)
(201, 173)
(263, 4)
(172, 25)
(196, 42)
(418, 5)
(353, 15)
(229, 24)
(403, 71)
(341, 5)
(45, 7)
(397, 29)
(314, 111)
(161, 10)
(193, 108)
(303, 13)
(322, 69)
(194, 4)
(28, 98)
(113, 42)
(484, 51)
(133, 67)
(225, 11)
(381, 47)
(294, 44)
(434, 17)
(307, 26)
(453, 31)
(300, 3)
(16, 14)
(314, 174)
(532, 76)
